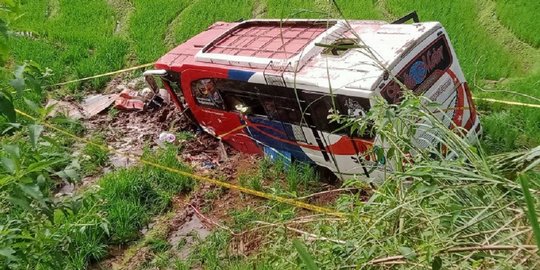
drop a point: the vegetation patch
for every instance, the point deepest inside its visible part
(520, 16)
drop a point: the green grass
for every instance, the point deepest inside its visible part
(78, 41)
(94, 157)
(521, 16)
(203, 13)
(359, 9)
(134, 195)
(149, 26)
(278, 9)
(510, 127)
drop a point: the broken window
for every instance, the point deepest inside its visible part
(206, 94)
(320, 107)
(355, 107)
(173, 80)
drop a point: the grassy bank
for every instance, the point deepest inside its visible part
(43, 232)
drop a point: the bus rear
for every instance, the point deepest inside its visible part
(430, 68)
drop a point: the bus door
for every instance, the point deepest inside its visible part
(345, 153)
(317, 107)
(208, 107)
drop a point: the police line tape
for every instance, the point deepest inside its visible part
(289, 201)
(104, 74)
(507, 102)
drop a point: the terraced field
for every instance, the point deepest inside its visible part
(498, 46)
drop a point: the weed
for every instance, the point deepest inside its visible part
(299, 174)
(255, 182)
(134, 195)
(159, 245)
(94, 157)
(185, 135)
(213, 194)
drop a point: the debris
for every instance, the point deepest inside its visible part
(164, 94)
(209, 165)
(129, 104)
(130, 94)
(155, 102)
(95, 104)
(66, 108)
(166, 137)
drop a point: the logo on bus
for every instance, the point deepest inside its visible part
(426, 68)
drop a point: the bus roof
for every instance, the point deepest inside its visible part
(292, 49)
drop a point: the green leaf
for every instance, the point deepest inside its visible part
(32, 105)
(3, 28)
(8, 253)
(34, 132)
(32, 191)
(436, 264)
(70, 173)
(304, 255)
(9, 165)
(21, 202)
(42, 165)
(7, 109)
(531, 211)
(18, 83)
(407, 252)
(105, 227)
(12, 150)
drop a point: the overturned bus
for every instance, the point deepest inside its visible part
(267, 86)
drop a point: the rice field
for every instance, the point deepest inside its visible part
(498, 46)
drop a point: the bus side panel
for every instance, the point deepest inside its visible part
(431, 69)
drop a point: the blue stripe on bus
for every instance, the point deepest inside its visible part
(276, 129)
(239, 75)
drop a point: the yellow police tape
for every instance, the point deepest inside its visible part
(508, 102)
(260, 194)
(105, 74)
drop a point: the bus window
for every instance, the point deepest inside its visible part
(244, 103)
(270, 108)
(288, 111)
(206, 94)
(173, 80)
(355, 107)
(321, 106)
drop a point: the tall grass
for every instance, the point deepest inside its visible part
(284, 9)
(510, 127)
(149, 26)
(203, 13)
(77, 41)
(521, 17)
(360, 9)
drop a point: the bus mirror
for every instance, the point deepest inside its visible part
(149, 77)
(152, 83)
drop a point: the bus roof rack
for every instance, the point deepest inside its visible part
(413, 15)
